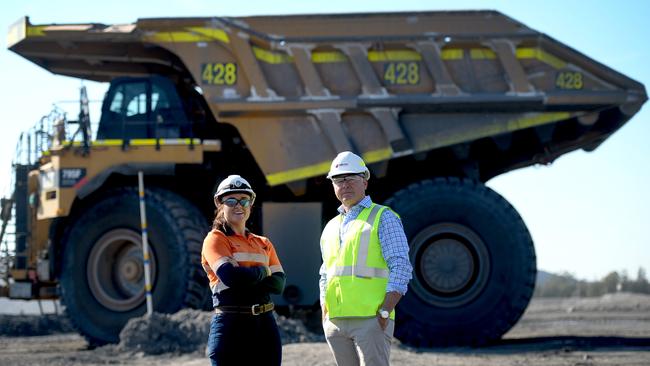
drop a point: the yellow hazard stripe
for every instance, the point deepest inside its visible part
(491, 129)
(452, 54)
(138, 142)
(35, 31)
(208, 145)
(377, 155)
(393, 55)
(298, 173)
(323, 57)
(449, 54)
(191, 34)
(482, 54)
(212, 33)
(271, 57)
(322, 168)
(153, 142)
(176, 37)
(111, 142)
(516, 124)
(541, 55)
(539, 119)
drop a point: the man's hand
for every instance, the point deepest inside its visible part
(390, 301)
(383, 323)
(323, 313)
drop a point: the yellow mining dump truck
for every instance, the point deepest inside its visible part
(437, 102)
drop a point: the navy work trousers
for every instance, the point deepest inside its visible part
(242, 339)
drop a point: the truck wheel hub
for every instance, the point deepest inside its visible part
(447, 265)
(451, 264)
(130, 268)
(115, 270)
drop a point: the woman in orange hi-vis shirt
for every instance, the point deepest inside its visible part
(244, 270)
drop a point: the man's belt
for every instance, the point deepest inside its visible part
(256, 309)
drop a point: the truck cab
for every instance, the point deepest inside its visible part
(150, 107)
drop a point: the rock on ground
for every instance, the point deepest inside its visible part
(187, 331)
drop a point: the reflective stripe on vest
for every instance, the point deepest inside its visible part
(359, 271)
(220, 286)
(354, 288)
(251, 257)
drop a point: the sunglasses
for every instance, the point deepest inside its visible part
(347, 178)
(232, 202)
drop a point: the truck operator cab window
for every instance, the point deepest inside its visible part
(142, 108)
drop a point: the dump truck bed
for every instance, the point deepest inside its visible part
(301, 88)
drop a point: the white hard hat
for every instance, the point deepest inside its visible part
(233, 184)
(348, 163)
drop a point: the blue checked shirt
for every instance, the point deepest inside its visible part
(394, 248)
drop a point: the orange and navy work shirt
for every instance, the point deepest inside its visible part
(245, 251)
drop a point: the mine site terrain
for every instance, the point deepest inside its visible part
(610, 330)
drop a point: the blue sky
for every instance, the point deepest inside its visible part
(588, 213)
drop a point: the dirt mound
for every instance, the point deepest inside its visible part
(33, 325)
(294, 331)
(183, 332)
(187, 331)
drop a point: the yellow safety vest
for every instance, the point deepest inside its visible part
(357, 273)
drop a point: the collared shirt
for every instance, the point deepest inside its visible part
(394, 247)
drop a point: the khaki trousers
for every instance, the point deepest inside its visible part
(359, 341)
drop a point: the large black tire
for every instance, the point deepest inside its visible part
(473, 264)
(102, 279)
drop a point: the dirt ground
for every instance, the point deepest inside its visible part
(611, 330)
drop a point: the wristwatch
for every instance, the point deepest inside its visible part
(384, 314)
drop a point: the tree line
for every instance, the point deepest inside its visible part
(566, 285)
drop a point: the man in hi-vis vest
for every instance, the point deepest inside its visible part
(365, 269)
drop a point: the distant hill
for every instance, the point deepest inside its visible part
(566, 285)
(556, 285)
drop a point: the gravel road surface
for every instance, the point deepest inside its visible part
(610, 330)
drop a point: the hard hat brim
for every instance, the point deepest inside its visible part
(245, 191)
(366, 174)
